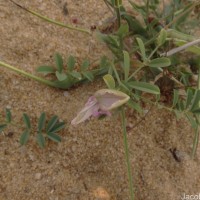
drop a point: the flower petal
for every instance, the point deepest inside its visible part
(102, 112)
(90, 108)
(110, 99)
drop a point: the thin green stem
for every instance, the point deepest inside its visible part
(36, 78)
(109, 5)
(59, 23)
(196, 137)
(147, 14)
(195, 141)
(51, 20)
(118, 17)
(127, 154)
(135, 72)
(145, 44)
(117, 10)
(10, 123)
(116, 74)
(152, 53)
(182, 14)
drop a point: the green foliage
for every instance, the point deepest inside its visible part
(53, 126)
(2, 127)
(59, 62)
(41, 122)
(142, 49)
(126, 65)
(24, 137)
(110, 81)
(159, 62)
(46, 69)
(45, 130)
(8, 115)
(145, 48)
(141, 57)
(144, 87)
(67, 75)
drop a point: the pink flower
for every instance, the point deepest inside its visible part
(101, 103)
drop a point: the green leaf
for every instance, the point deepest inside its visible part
(180, 105)
(134, 106)
(26, 120)
(138, 8)
(104, 62)
(195, 101)
(174, 34)
(54, 137)
(52, 123)
(175, 98)
(71, 63)
(196, 111)
(2, 126)
(65, 84)
(126, 64)
(41, 122)
(145, 87)
(178, 114)
(185, 78)
(88, 75)
(59, 62)
(123, 30)
(8, 115)
(112, 2)
(189, 97)
(24, 137)
(109, 80)
(76, 75)
(142, 48)
(85, 65)
(40, 140)
(45, 70)
(162, 37)
(159, 62)
(134, 25)
(192, 121)
(57, 127)
(61, 76)
(110, 40)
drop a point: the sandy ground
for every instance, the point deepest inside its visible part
(89, 163)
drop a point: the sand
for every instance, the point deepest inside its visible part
(89, 163)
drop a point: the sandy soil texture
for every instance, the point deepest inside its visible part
(89, 163)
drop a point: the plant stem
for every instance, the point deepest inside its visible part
(51, 20)
(36, 78)
(195, 141)
(116, 74)
(127, 154)
(196, 137)
(182, 14)
(59, 23)
(117, 9)
(145, 44)
(135, 72)
(108, 4)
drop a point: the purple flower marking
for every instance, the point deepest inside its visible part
(101, 103)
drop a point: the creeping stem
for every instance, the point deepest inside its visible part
(127, 154)
(196, 136)
(51, 20)
(26, 74)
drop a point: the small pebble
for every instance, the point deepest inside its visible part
(38, 176)
(66, 94)
(145, 111)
